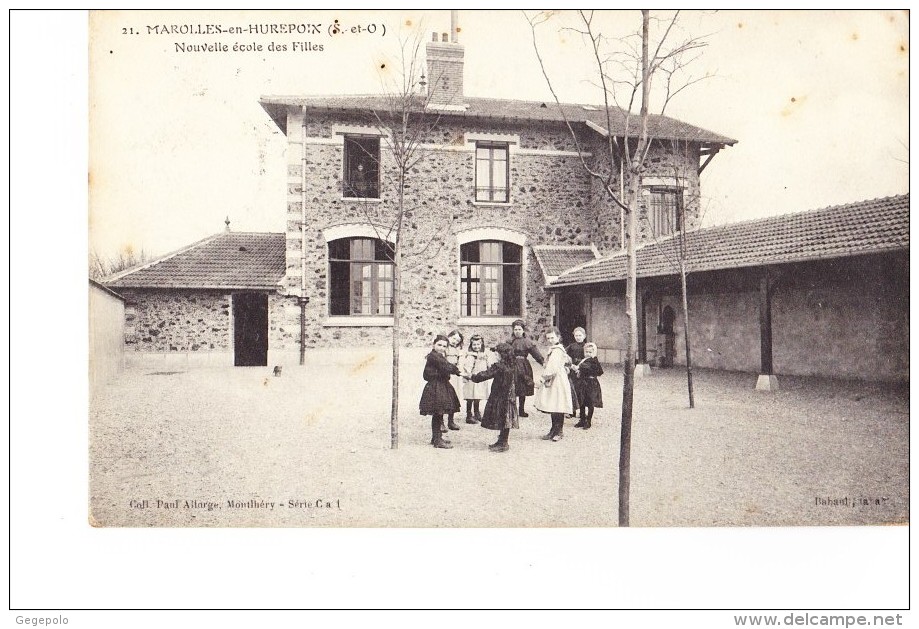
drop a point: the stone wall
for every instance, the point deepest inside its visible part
(179, 323)
(552, 201)
(671, 164)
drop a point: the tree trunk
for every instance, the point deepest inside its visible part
(396, 318)
(628, 380)
(692, 399)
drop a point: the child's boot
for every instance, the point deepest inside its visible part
(501, 445)
(558, 426)
(452, 424)
(437, 439)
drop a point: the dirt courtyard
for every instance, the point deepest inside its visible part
(240, 447)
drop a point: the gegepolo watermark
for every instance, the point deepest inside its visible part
(44, 621)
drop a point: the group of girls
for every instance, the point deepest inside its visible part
(569, 383)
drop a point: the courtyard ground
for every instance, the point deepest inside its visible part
(315, 442)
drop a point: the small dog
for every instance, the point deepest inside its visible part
(277, 371)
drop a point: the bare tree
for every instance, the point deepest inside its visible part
(625, 69)
(406, 123)
(102, 266)
(668, 227)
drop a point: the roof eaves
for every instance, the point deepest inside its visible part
(221, 287)
(105, 288)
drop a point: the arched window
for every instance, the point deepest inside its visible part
(491, 279)
(360, 277)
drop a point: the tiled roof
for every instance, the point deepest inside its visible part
(875, 226)
(660, 127)
(555, 259)
(228, 260)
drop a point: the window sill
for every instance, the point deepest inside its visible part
(361, 200)
(357, 322)
(487, 321)
(492, 203)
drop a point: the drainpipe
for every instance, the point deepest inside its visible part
(303, 300)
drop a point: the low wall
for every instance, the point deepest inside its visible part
(106, 334)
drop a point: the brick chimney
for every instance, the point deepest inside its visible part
(445, 69)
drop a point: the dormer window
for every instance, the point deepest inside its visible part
(362, 167)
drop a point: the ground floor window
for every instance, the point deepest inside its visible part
(490, 279)
(360, 277)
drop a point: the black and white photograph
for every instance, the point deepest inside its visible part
(510, 293)
(624, 264)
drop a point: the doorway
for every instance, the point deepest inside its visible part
(571, 314)
(666, 346)
(250, 330)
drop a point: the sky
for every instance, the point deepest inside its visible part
(818, 102)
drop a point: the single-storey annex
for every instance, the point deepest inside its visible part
(823, 293)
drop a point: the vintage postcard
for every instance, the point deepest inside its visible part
(406, 269)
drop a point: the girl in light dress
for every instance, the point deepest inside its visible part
(554, 397)
(477, 359)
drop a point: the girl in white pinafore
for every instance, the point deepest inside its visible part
(555, 395)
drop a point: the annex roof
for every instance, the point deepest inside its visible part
(555, 259)
(875, 226)
(659, 127)
(228, 260)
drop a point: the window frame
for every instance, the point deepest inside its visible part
(675, 222)
(356, 263)
(490, 189)
(472, 271)
(349, 191)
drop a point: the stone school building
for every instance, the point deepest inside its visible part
(502, 223)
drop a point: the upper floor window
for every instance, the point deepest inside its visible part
(360, 277)
(362, 167)
(490, 278)
(665, 210)
(491, 172)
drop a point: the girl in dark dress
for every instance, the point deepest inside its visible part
(575, 351)
(522, 347)
(501, 408)
(439, 398)
(591, 395)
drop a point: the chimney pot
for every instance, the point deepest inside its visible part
(433, 37)
(443, 37)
